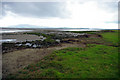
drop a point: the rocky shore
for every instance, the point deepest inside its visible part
(41, 39)
(17, 55)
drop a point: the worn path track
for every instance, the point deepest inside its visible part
(13, 61)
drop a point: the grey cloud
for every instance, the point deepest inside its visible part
(36, 9)
(108, 6)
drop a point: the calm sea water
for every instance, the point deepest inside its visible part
(12, 30)
(79, 29)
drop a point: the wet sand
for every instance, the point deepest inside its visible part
(22, 37)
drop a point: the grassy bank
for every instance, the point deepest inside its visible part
(94, 61)
(89, 32)
(111, 37)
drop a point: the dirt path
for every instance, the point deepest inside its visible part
(13, 61)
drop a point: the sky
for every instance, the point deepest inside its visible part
(59, 14)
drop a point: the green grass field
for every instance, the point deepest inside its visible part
(111, 37)
(94, 61)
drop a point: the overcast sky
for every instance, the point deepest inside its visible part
(69, 13)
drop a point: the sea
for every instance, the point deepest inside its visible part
(12, 30)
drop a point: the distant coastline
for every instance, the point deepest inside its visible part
(12, 30)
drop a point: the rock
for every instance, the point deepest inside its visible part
(28, 44)
(57, 40)
(34, 46)
(19, 44)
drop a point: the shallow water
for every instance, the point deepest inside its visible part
(78, 29)
(7, 40)
(12, 30)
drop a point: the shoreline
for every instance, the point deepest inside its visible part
(38, 39)
(43, 38)
(19, 58)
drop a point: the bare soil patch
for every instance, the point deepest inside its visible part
(13, 61)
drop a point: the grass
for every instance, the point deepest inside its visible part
(90, 32)
(49, 38)
(36, 33)
(111, 37)
(94, 61)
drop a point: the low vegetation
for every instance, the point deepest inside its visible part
(111, 37)
(94, 61)
(89, 32)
